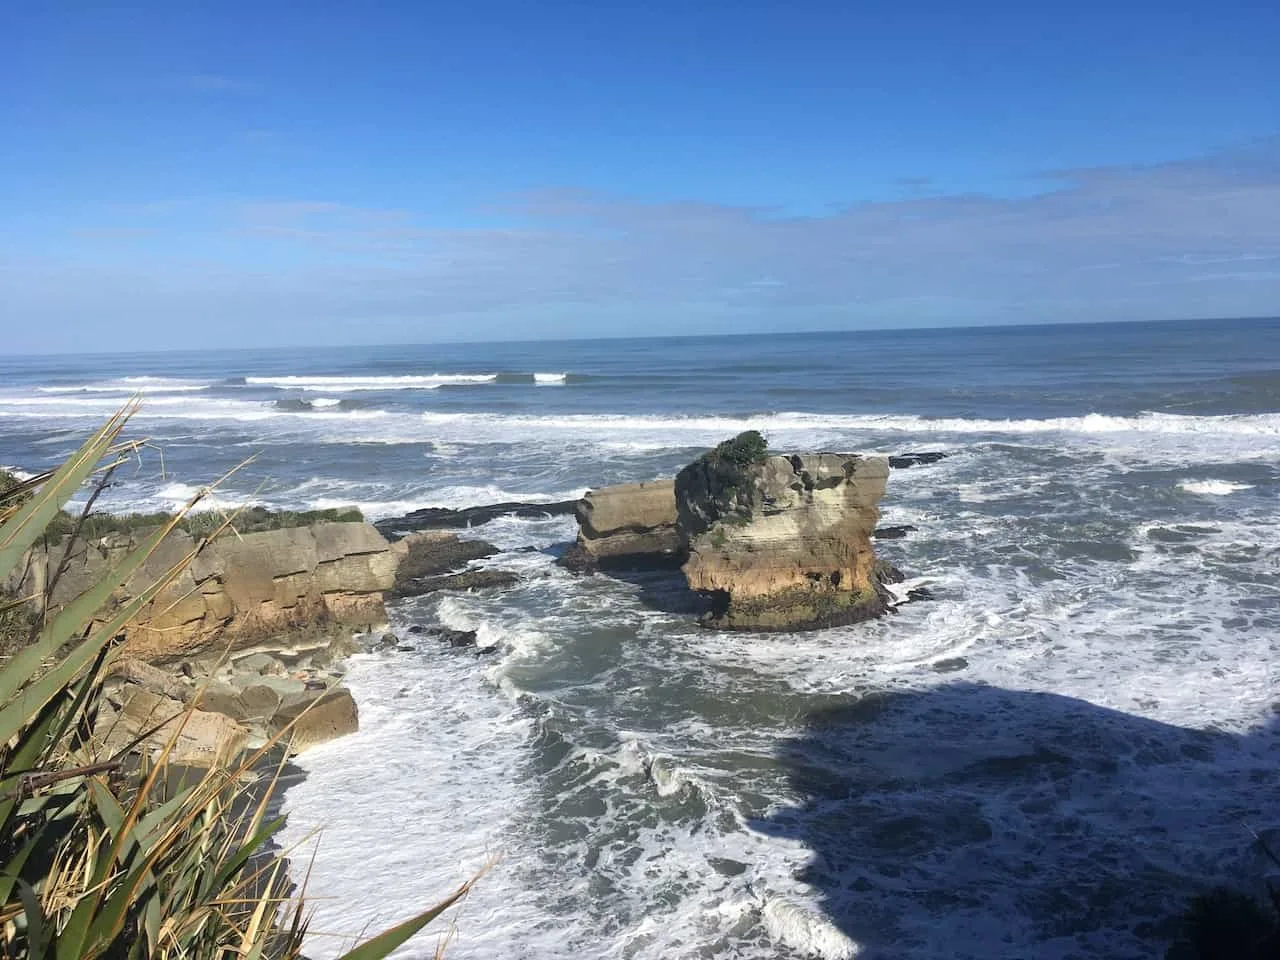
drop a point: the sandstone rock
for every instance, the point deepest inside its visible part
(260, 663)
(201, 737)
(285, 688)
(783, 542)
(220, 698)
(330, 716)
(239, 591)
(260, 701)
(152, 678)
(631, 525)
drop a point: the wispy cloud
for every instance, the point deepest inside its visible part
(1100, 243)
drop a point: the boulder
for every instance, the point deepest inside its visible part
(202, 737)
(333, 714)
(153, 679)
(262, 664)
(628, 526)
(260, 702)
(220, 698)
(782, 542)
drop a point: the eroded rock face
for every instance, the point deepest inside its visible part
(630, 525)
(783, 542)
(239, 591)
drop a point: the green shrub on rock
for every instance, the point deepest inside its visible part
(746, 448)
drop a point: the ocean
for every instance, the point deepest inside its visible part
(1076, 734)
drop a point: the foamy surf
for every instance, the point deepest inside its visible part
(342, 384)
(546, 379)
(144, 385)
(1213, 488)
(803, 930)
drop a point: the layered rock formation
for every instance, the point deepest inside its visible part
(633, 524)
(245, 642)
(239, 591)
(782, 542)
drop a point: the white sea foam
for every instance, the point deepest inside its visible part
(321, 402)
(347, 384)
(1213, 488)
(1259, 425)
(809, 933)
(144, 385)
(545, 379)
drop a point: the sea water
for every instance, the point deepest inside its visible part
(1045, 760)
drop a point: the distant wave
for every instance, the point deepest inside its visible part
(142, 385)
(534, 378)
(344, 384)
(184, 406)
(1267, 424)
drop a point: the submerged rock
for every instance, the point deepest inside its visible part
(782, 542)
(893, 533)
(440, 518)
(629, 526)
(467, 580)
(424, 557)
(903, 460)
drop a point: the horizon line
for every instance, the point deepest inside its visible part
(670, 336)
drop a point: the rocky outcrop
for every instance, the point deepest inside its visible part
(632, 525)
(244, 645)
(215, 707)
(783, 542)
(240, 590)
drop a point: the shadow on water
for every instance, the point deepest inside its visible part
(973, 821)
(665, 590)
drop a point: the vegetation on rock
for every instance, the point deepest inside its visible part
(106, 856)
(746, 448)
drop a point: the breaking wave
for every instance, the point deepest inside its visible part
(341, 384)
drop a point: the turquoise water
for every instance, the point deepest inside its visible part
(1044, 761)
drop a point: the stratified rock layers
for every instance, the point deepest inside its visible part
(239, 591)
(633, 524)
(784, 543)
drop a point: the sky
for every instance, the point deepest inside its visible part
(192, 174)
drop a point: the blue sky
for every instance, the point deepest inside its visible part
(185, 174)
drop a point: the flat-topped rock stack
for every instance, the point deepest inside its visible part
(774, 542)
